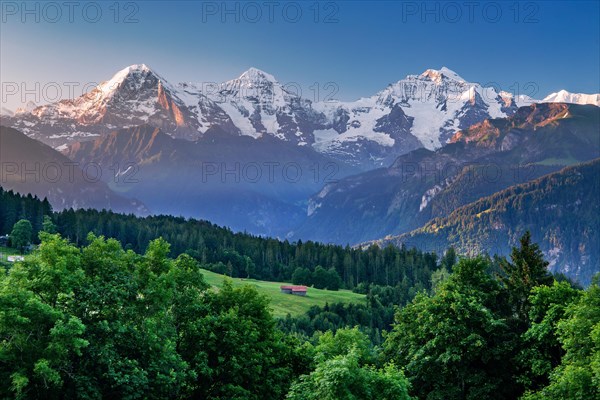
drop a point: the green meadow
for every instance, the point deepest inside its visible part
(281, 303)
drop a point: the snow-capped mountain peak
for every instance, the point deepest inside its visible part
(259, 105)
(133, 77)
(564, 96)
(132, 91)
(422, 110)
(419, 111)
(135, 95)
(254, 76)
(251, 83)
(438, 75)
(254, 84)
(129, 70)
(523, 100)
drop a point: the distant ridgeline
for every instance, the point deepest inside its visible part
(239, 254)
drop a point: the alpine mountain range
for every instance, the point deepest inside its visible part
(403, 166)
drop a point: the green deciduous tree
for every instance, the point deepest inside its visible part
(21, 234)
(345, 371)
(342, 342)
(38, 336)
(334, 281)
(578, 375)
(326, 279)
(541, 350)
(235, 350)
(103, 322)
(342, 378)
(452, 344)
(320, 277)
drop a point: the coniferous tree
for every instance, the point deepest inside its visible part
(526, 270)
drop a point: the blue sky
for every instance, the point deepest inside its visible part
(360, 46)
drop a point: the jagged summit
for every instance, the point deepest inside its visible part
(133, 96)
(253, 83)
(133, 76)
(136, 67)
(422, 110)
(438, 75)
(251, 79)
(129, 70)
(253, 74)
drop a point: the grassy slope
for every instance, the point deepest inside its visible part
(282, 303)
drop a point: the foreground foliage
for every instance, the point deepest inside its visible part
(345, 371)
(482, 337)
(102, 322)
(105, 318)
(578, 374)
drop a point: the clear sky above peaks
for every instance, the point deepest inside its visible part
(341, 49)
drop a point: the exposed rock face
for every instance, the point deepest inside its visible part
(419, 111)
(481, 160)
(134, 96)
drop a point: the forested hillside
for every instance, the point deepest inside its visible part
(237, 254)
(246, 255)
(561, 210)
